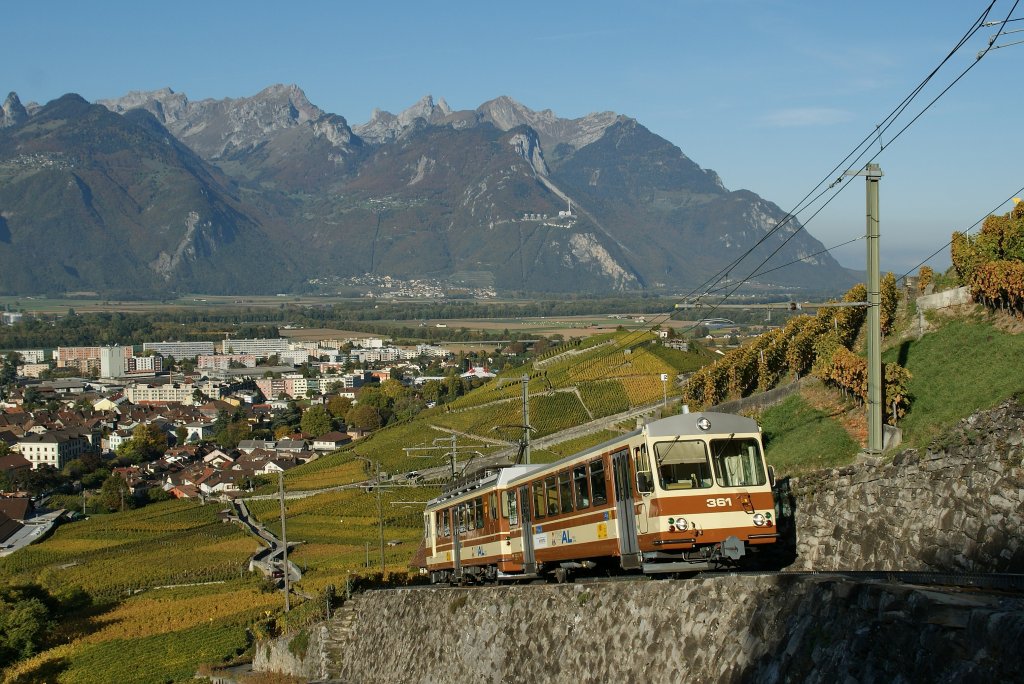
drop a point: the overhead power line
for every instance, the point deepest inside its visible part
(857, 154)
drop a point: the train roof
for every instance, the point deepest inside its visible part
(689, 424)
(486, 479)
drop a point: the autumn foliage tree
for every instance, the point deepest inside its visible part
(991, 263)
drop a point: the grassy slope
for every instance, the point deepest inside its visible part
(800, 438)
(964, 366)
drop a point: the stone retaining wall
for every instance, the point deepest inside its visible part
(958, 509)
(730, 628)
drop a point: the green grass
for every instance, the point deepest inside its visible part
(800, 438)
(963, 367)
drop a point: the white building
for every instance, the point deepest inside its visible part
(179, 350)
(112, 362)
(53, 448)
(31, 355)
(261, 347)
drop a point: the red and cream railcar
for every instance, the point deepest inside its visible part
(685, 493)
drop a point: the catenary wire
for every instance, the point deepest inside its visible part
(887, 122)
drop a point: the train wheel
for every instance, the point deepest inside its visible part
(562, 575)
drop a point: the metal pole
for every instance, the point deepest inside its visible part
(284, 542)
(380, 522)
(526, 418)
(874, 342)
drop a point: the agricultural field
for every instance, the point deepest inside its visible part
(339, 530)
(571, 446)
(170, 591)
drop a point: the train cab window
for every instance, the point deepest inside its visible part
(598, 485)
(580, 486)
(565, 491)
(644, 480)
(737, 462)
(540, 506)
(492, 500)
(509, 509)
(552, 495)
(478, 513)
(683, 465)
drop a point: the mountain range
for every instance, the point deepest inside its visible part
(151, 194)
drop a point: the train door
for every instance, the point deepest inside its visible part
(526, 525)
(457, 521)
(629, 547)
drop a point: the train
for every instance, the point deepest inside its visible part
(683, 494)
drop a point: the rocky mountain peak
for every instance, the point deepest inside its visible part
(384, 126)
(505, 113)
(12, 112)
(218, 128)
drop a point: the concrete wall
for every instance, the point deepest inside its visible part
(940, 300)
(758, 401)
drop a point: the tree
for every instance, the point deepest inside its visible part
(9, 368)
(364, 417)
(233, 433)
(338, 406)
(316, 421)
(25, 621)
(148, 443)
(180, 435)
(115, 494)
(431, 391)
(288, 418)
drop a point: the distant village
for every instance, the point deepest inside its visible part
(215, 426)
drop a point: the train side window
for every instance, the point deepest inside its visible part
(478, 512)
(442, 523)
(460, 516)
(539, 506)
(509, 509)
(581, 487)
(598, 486)
(565, 491)
(552, 495)
(493, 502)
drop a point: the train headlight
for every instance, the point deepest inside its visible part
(681, 524)
(704, 424)
(759, 519)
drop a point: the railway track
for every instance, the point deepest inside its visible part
(1010, 583)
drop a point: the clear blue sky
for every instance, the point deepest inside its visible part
(769, 94)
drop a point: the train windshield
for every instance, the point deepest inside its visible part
(683, 464)
(737, 462)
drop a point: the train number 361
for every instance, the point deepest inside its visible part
(720, 502)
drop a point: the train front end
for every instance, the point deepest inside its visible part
(705, 493)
